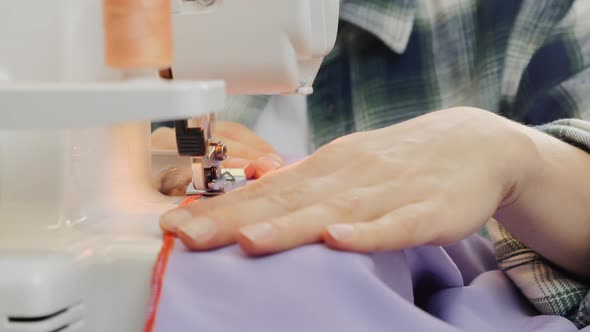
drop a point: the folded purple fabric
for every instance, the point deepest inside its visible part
(456, 288)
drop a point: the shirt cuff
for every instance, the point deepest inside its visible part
(572, 131)
(550, 289)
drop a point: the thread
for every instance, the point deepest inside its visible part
(159, 272)
(138, 33)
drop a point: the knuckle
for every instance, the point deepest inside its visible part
(379, 159)
(448, 200)
(289, 200)
(378, 242)
(377, 238)
(344, 206)
(255, 189)
(407, 226)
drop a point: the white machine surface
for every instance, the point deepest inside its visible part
(78, 211)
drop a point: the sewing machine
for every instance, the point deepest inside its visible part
(79, 213)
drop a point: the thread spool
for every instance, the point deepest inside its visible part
(138, 34)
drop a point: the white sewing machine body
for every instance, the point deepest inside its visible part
(78, 211)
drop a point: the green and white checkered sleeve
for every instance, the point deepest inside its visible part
(550, 289)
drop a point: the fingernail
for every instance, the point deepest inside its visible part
(276, 158)
(258, 232)
(341, 232)
(269, 163)
(199, 230)
(172, 218)
(250, 171)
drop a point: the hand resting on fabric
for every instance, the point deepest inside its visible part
(433, 180)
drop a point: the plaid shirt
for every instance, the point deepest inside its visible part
(527, 60)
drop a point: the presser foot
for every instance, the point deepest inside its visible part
(230, 179)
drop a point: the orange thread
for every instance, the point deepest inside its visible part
(159, 272)
(138, 33)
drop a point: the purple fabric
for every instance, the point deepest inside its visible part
(456, 288)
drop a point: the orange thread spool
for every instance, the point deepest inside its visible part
(138, 33)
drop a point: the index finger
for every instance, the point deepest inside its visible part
(263, 187)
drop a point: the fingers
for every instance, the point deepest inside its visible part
(263, 159)
(285, 218)
(302, 227)
(269, 185)
(234, 162)
(228, 220)
(306, 225)
(266, 164)
(230, 201)
(174, 181)
(250, 170)
(265, 203)
(403, 228)
(257, 168)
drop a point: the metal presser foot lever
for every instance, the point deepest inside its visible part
(194, 138)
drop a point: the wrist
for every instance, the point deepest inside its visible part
(524, 162)
(549, 210)
(521, 159)
(515, 161)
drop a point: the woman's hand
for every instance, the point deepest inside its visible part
(432, 180)
(245, 149)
